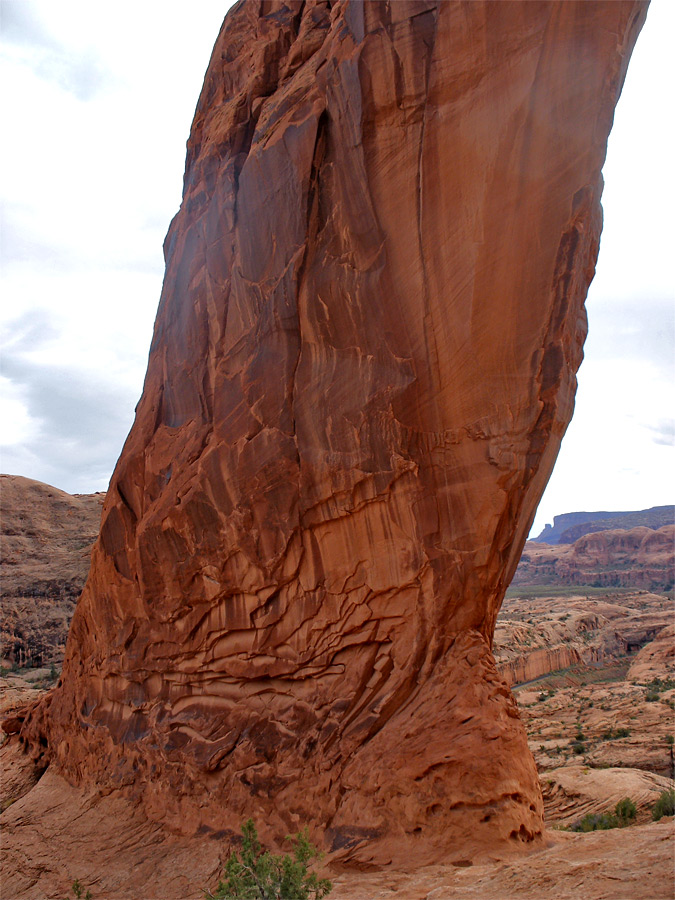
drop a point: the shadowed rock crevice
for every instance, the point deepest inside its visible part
(362, 367)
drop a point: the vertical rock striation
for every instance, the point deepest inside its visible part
(362, 367)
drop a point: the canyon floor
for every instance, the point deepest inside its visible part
(593, 671)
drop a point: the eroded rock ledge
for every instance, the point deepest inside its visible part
(363, 363)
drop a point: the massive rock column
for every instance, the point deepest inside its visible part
(362, 367)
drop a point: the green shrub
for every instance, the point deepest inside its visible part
(664, 806)
(596, 822)
(625, 811)
(259, 874)
(78, 889)
(578, 747)
(612, 734)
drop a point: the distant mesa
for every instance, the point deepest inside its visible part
(639, 558)
(570, 526)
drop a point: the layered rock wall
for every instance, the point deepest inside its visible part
(532, 664)
(362, 367)
(47, 536)
(637, 558)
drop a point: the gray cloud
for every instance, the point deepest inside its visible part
(21, 25)
(82, 421)
(26, 333)
(664, 432)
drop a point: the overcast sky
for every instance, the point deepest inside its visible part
(96, 104)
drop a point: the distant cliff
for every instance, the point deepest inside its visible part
(641, 557)
(47, 537)
(570, 526)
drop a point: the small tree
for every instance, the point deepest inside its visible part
(625, 811)
(260, 875)
(664, 806)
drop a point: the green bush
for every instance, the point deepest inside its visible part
(259, 874)
(664, 806)
(596, 822)
(625, 811)
(612, 734)
(78, 889)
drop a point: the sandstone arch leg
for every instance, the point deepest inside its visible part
(362, 367)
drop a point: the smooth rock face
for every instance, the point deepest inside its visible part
(363, 363)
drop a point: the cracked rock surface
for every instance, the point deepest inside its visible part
(362, 367)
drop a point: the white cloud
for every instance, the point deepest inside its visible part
(95, 126)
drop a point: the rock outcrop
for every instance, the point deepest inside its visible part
(362, 367)
(47, 537)
(656, 659)
(572, 792)
(636, 558)
(532, 664)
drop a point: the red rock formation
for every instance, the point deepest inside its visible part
(363, 363)
(638, 558)
(656, 659)
(533, 664)
(47, 537)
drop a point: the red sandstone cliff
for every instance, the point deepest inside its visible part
(363, 363)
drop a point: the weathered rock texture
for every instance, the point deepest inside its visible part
(47, 537)
(363, 363)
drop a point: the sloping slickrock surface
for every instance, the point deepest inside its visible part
(657, 658)
(572, 792)
(46, 537)
(74, 832)
(363, 363)
(622, 864)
